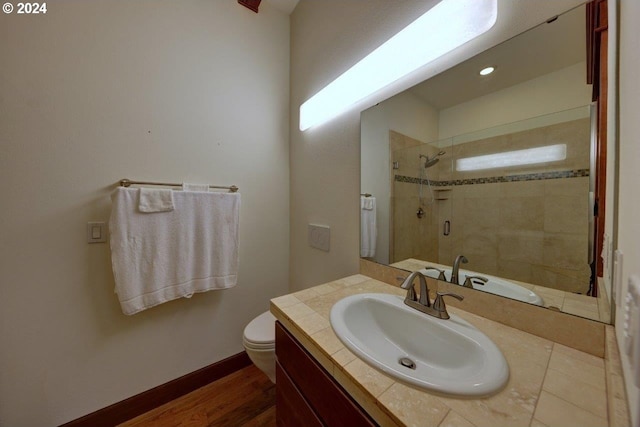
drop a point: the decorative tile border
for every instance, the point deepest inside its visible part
(576, 173)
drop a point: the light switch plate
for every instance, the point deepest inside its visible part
(319, 236)
(96, 232)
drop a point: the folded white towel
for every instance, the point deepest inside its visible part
(158, 258)
(368, 203)
(195, 187)
(368, 230)
(155, 200)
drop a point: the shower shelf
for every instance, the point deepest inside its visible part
(442, 193)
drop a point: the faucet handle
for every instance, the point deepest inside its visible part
(474, 280)
(440, 307)
(441, 275)
(411, 290)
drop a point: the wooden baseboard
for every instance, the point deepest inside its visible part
(157, 396)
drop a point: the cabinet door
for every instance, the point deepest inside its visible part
(291, 408)
(333, 406)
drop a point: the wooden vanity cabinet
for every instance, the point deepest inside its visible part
(306, 395)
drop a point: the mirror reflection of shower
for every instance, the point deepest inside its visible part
(428, 162)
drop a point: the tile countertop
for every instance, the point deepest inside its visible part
(549, 385)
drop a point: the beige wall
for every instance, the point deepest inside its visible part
(327, 38)
(629, 172)
(95, 91)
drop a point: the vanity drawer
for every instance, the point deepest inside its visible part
(332, 405)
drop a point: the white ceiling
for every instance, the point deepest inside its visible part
(541, 50)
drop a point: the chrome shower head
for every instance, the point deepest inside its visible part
(428, 162)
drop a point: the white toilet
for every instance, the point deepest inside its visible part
(259, 341)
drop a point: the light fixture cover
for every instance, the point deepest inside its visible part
(487, 71)
(529, 156)
(446, 26)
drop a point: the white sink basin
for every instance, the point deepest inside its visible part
(449, 356)
(495, 285)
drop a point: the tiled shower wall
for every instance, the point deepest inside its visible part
(528, 223)
(411, 236)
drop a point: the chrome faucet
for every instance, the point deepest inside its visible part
(456, 266)
(423, 304)
(474, 280)
(411, 290)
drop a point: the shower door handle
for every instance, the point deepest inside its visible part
(447, 228)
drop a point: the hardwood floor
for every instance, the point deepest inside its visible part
(245, 398)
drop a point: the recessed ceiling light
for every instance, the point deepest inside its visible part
(487, 71)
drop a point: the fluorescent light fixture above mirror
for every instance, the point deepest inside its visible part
(446, 26)
(530, 156)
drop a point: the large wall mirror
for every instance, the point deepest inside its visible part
(495, 170)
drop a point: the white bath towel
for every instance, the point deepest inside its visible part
(155, 200)
(195, 187)
(368, 203)
(368, 230)
(158, 258)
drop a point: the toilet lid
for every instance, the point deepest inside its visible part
(261, 330)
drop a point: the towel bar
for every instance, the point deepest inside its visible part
(127, 182)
